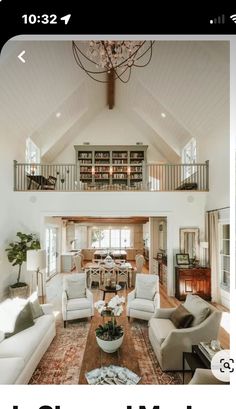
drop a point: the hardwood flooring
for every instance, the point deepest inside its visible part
(94, 357)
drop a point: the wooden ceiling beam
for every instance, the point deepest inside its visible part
(107, 220)
(111, 89)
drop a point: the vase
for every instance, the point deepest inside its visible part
(110, 346)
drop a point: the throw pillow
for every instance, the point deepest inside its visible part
(198, 307)
(24, 320)
(145, 288)
(75, 290)
(36, 309)
(181, 317)
(2, 336)
(9, 310)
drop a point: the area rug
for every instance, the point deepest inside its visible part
(149, 366)
(62, 362)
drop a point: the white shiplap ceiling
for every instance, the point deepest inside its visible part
(188, 80)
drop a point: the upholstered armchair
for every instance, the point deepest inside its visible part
(144, 300)
(77, 299)
(169, 342)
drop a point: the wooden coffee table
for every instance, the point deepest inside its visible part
(94, 357)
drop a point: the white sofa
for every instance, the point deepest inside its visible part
(21, 353)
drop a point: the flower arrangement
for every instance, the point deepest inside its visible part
(110, 331)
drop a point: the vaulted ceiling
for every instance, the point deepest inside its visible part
(187, 80)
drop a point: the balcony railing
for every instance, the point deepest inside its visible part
(168, 177)
(152, 178)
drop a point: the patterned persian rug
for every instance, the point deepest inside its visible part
(149, 366)
(62, 362)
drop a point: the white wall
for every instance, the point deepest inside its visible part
(215, 147)
(110, 127)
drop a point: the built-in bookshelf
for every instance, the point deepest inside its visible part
(111, 165)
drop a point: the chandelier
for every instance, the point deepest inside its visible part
(112, 57)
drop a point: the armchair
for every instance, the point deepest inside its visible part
(169, 342)
(144, 300)
(77, 299)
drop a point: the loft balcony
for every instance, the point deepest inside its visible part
(151, 177)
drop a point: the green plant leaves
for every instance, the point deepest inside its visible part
(17, 250)
(109, 331)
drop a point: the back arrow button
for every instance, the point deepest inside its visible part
(20, 56)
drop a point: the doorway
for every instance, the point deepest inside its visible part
(51, 249)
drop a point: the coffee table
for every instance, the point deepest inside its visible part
(109, 290)
(94, 357)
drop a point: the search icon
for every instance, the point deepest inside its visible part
(222, 365)
(226, 365)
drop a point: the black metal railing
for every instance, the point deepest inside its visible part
(153, 177)
(169, 177)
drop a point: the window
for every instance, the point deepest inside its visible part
(189, 156)
(32, 152)
(110, 238)
(225, 256)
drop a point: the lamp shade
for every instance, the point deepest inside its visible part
(204, 244)
(36, 259)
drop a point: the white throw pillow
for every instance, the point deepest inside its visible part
(146, 288)
(2, 336)
(198, 307)
(9, 310)
(75, 290)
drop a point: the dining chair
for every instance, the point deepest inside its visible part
(94, 275)
(122, 275)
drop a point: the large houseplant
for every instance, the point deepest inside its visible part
(16, 253)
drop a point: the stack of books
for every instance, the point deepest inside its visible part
(206, 349)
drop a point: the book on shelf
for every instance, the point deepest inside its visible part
(206, 349)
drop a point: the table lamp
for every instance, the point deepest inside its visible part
(36, 261)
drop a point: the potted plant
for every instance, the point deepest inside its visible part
(110, 336)
(16, 253)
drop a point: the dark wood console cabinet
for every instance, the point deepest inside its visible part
(193, 280)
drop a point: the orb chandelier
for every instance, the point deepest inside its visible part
(97, 58)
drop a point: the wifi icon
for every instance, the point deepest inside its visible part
(233, 17)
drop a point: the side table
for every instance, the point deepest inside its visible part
(195, 359)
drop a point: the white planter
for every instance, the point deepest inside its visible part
(110, 346)
(21, 292)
